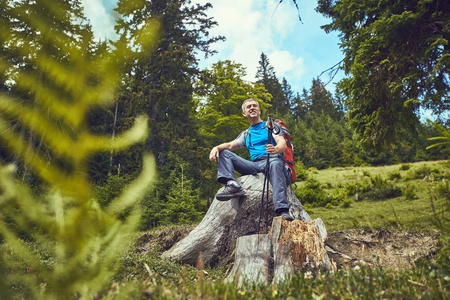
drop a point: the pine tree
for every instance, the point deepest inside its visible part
(321, 101)
(159, 84)
(397, 61)
(24, 48)
(266, 75)
(301, 104)
(183, 205)
(288, 95)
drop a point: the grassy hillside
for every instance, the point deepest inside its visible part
(423, 191)
(146, 275)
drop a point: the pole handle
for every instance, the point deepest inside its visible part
(269, 122)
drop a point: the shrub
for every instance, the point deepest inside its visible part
(357, 187)
(405, 167)
(313, 170)
(443, 189)
(376, 188)
(346, 203)
(381, 189)
(314, 193)
(424, 172)
(394, 176)
(302, 173)
(409, 192)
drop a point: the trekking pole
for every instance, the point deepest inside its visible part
(269, 126)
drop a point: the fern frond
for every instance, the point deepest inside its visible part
(52, 90)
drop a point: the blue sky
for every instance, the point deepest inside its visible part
(299, 51)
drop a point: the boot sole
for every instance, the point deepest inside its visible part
(229, 197)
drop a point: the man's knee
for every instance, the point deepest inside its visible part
(225, 155)
(225, 152)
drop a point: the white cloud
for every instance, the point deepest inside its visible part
(252, 27)
(286, 64)
(102, 22)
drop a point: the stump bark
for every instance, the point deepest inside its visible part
(215, 237)
(289, 248)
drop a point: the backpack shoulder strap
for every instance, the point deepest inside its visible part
(246, 132)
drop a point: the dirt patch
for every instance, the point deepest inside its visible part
(389, 249)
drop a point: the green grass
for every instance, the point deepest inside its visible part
(336, 176)
(396, 214)
(408, 213)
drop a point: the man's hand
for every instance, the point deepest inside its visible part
(271, 149)
(214, 154)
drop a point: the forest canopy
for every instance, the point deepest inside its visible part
(396, 62)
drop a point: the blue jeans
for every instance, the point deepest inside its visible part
(229, 162)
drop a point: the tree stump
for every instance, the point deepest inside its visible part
(215, 237)
(291, 247)
(253, 260)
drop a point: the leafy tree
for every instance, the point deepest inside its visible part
(397, 58)
(220, 95)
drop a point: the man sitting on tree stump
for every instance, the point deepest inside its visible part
(256, 141)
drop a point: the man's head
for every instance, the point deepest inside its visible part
(251, 110)
(249, 100)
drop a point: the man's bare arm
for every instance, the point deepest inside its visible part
(225, 146)
(279, 148)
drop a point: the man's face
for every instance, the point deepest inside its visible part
(251, 109)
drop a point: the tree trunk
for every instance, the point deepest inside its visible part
(215, 236)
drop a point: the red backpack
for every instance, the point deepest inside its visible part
(289, 164)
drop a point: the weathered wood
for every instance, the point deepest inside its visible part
(293, 247)
(224, 222)
(304, 243)
(283, 268)
(252, 263)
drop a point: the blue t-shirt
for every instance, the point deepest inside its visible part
(255, 139)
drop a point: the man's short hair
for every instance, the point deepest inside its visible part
(247, 100)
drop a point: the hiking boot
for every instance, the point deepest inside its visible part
(287, 216)
(230, 192)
